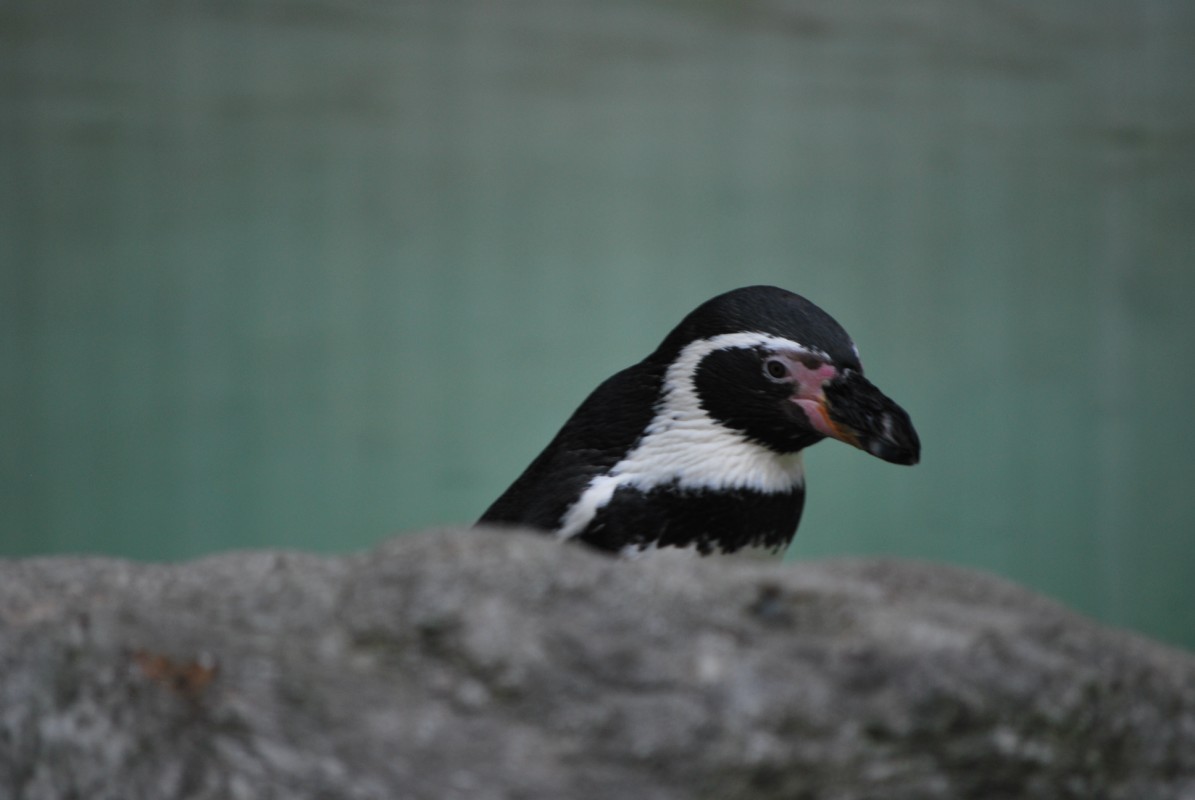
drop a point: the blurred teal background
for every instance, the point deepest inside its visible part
(296, 273)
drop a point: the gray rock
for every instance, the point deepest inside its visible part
(478, 665)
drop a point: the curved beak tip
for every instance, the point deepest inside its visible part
(868, 419)
(907, 453)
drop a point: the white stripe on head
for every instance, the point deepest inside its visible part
(685, 447)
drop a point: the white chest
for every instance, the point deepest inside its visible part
(684, 447)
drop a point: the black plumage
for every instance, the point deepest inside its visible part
(698, 445)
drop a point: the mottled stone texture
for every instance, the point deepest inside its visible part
(479, 664)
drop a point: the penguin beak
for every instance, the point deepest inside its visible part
(848, 407)
(861, 415)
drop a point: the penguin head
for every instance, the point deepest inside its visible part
(774, 368)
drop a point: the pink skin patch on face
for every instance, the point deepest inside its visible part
(809, 379)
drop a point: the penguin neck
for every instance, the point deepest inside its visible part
(704, 521)
(689, 455)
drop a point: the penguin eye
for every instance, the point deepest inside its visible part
(776, 369)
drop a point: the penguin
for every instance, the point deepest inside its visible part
(699, 445)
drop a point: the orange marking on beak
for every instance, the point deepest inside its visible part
(841, 432)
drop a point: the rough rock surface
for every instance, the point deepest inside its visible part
(475, 664)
